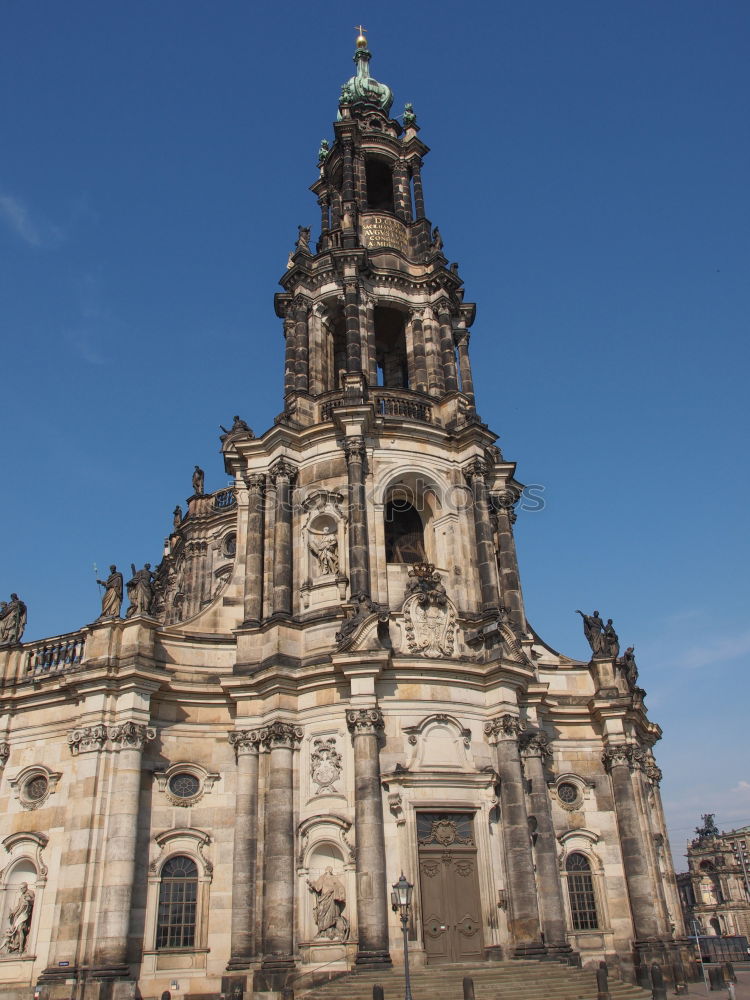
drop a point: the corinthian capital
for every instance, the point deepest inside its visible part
(504, 727)
(281, 469)
(255, 484)
(622, 755)
(652, 769)
(280, 734)
(354, 448)
(245, 741)
(535, 743)
(87, 739)
(363, 721)
(130, 735)
(478, 469)
(4, 754)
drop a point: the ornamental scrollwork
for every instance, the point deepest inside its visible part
(325, 764)
(4, 754)
(429, 616)
(87, 739)
(130, 735)
(363, 721)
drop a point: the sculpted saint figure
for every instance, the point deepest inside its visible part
(629, 668)
(140, 590)
(198, 481)
(327, 911)
(611, 640)
(303, 240)
(19, 922)
(239, 427)
(112, 599)
(325, 548)
(437, 239)
(177, 517)
(593, 629)
(12, 621)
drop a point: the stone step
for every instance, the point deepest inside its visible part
(499, 981)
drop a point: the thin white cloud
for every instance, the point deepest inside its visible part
(35, 233)
(714, 651)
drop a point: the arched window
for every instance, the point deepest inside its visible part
(581, 893)
(178, 896)
(390, 348)
(379, 179)
(404, 533)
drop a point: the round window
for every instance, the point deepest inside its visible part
(36, 788)
(567, 792)
(184, 785)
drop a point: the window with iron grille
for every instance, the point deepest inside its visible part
(581, 893)
(178, 895)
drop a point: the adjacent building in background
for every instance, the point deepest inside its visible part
(715, 890)
(330, 678)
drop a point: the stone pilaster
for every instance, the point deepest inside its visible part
(476, 476)
(302, 340)
(401, 197)
(359, 548)
(353, 333)
(523, 921)
(246, 744)
(254, 550)
(464, 364)
(447, 353)
(283, 475)
(127, 739)
(507, 560)
(536, 754)
(416, 173)
(372, 898)
(420, 357)
(290, 351)
(279, 739)
(619, 760)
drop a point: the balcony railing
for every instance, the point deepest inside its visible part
(388, 403)
(54, 656)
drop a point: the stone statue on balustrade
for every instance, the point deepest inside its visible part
(112, 599)
(303, 239)
(12, 620)
(238, 429)
(177, 517)
(329, 906)
(19, 922)
(140, 591)
(611, 640)
(593, 629)
(198, 476)
(627, 664)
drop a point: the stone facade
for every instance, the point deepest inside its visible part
(715, 890)
(335, 680)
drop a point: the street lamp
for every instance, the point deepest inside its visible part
(401, 904)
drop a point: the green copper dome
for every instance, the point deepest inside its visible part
(362, 87)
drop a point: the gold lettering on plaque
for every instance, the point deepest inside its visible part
(384, 231)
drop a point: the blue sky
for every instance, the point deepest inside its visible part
(589, 171)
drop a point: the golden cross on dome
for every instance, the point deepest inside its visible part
(361, 40)
(360, 29)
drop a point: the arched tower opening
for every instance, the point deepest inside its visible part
(404, 532)
(390, 348)
(379, 181)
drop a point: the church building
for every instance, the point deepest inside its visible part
(329, 679)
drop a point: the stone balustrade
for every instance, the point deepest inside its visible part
(56, 655)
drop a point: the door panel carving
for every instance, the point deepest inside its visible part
(449, 886)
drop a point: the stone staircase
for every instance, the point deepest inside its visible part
(515, 980)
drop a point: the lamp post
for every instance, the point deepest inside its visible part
(401, 904)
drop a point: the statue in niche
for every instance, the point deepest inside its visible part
(19, 922)
(325, 548)
(329, 906)
(12, 620)
(140, 590)
(112, 599)
(611, 640)
(593, 629)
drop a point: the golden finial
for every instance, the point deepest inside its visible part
(361, 40)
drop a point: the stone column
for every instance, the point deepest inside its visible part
(302, 335)
(435, 376)
(323, 202)
(280, 740)
(254, 550)
(464, 364)
(353, 334)
(245, 743)
(110, 951)
(523, 920)
(619, 760)
(416, 173)
(359, 547)
(372, 895)
(476, 474)
(348, 209)
(507, 561)
(420, 356)
(283, 475)
(290, 351)
(447, 353)
(536, 752)
(401, 196)
(371, 352)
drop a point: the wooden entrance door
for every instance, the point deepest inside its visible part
(449, 886)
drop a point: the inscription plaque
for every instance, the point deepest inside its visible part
(384, 231)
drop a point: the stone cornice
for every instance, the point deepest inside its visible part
(364, 721)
